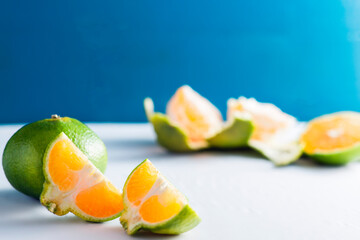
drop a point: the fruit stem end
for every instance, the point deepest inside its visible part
(52, 207)
(55, 116)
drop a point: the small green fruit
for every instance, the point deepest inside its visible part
(23, 155)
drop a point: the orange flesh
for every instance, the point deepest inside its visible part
(101, 200)
(64, 160)
(264, 125)
(141, 182)
(96, 196)
(195, 114)
(332, 133)
(162, 205)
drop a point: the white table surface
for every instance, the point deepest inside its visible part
(238, 195)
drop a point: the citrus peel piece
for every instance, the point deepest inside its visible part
(170, 135)
(192, 123)
(276, 134)
(236, 133)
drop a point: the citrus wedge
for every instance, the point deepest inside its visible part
(333, 138)
(152, 203)
(74, 184)
(276, 134)
(193, 123)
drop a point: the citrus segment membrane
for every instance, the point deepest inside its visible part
(276, 134)
(153, 203)
(74, 184)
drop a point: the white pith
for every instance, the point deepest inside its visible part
(284, 146)
(149, 107)
(250, 105)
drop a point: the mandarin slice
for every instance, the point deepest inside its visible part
(74, 184)
(333, 138)
(152, 203)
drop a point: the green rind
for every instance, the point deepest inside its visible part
(186, 220)
(23, 155)
(53, 206)
(235, 135)
(169, 135)
(182, 222)
(173, 138)
(280, 161)
(341, 157)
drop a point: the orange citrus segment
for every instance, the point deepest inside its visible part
(64, 160)
(267, 118)
(100, 201)
(74, 184)
(158, 208)
(331, 133)
(151, 195)
(194, 113)
(141, 182)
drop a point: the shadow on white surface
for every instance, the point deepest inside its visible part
(307, 162)
(132, 143)
(23, 215)
(149, 235)
(119, 149)
(48, 221)
(12, 202)
(208, 154)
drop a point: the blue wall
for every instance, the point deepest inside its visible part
(97, 60)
